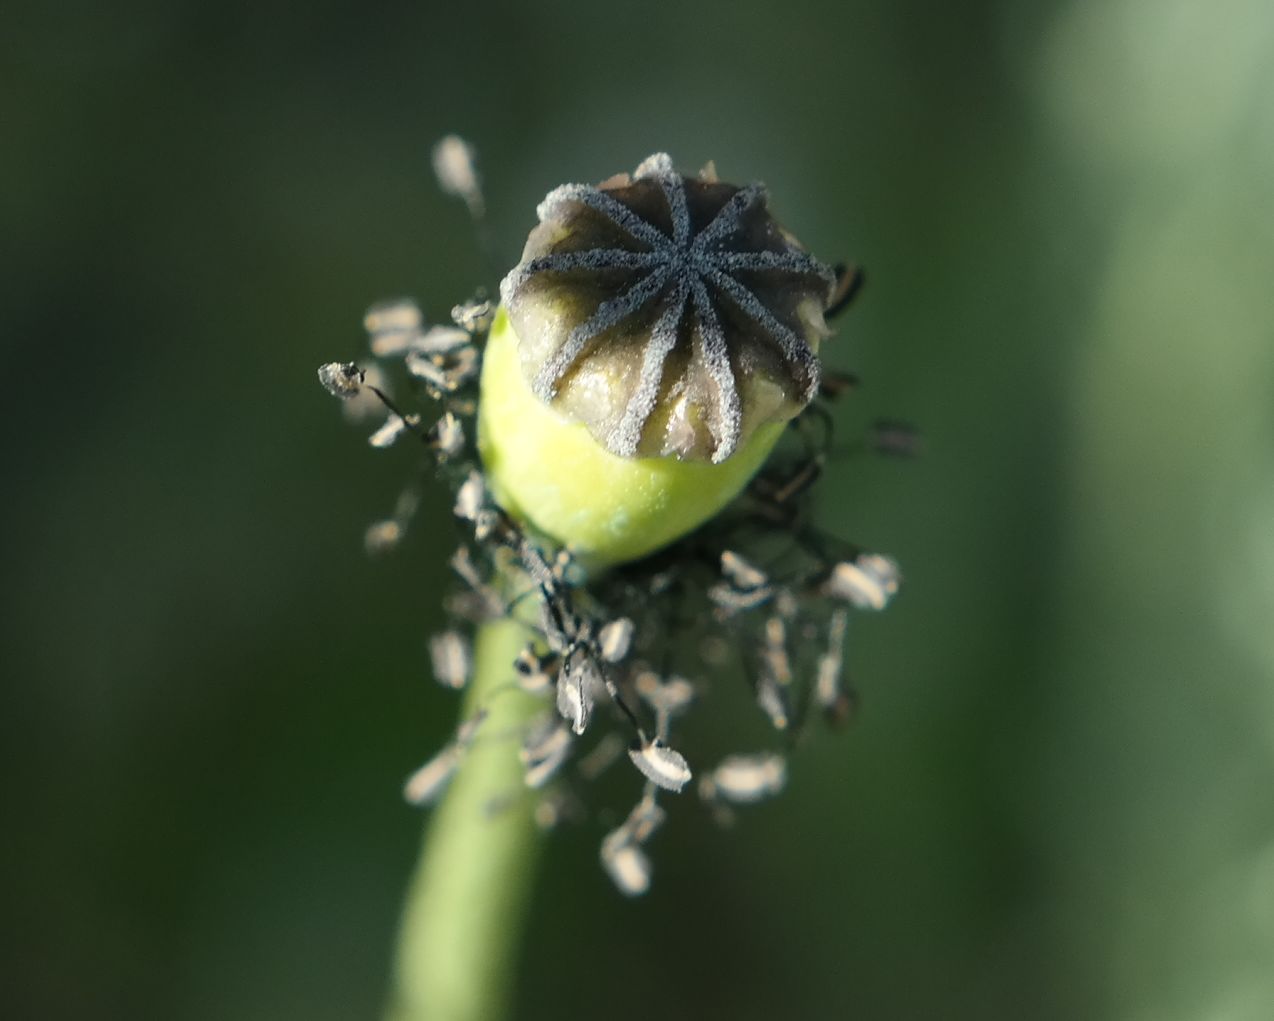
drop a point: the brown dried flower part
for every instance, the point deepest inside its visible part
(671, 315)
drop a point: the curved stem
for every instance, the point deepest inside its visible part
(465, 905)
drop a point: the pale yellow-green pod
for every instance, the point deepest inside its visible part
(549, 471)
(653, 343)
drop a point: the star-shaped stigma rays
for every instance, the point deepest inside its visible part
(671, 315)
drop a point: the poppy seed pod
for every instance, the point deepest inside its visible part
(658, 336)
(654, 340)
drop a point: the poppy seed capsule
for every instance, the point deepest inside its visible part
(657, 335)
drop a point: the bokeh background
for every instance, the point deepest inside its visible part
(1058, 800)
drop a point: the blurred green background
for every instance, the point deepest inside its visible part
(1058, 801)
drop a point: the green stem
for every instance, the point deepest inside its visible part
(465, 905)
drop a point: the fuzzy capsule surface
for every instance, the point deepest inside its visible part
(550, 473)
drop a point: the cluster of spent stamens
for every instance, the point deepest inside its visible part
(619, 656)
